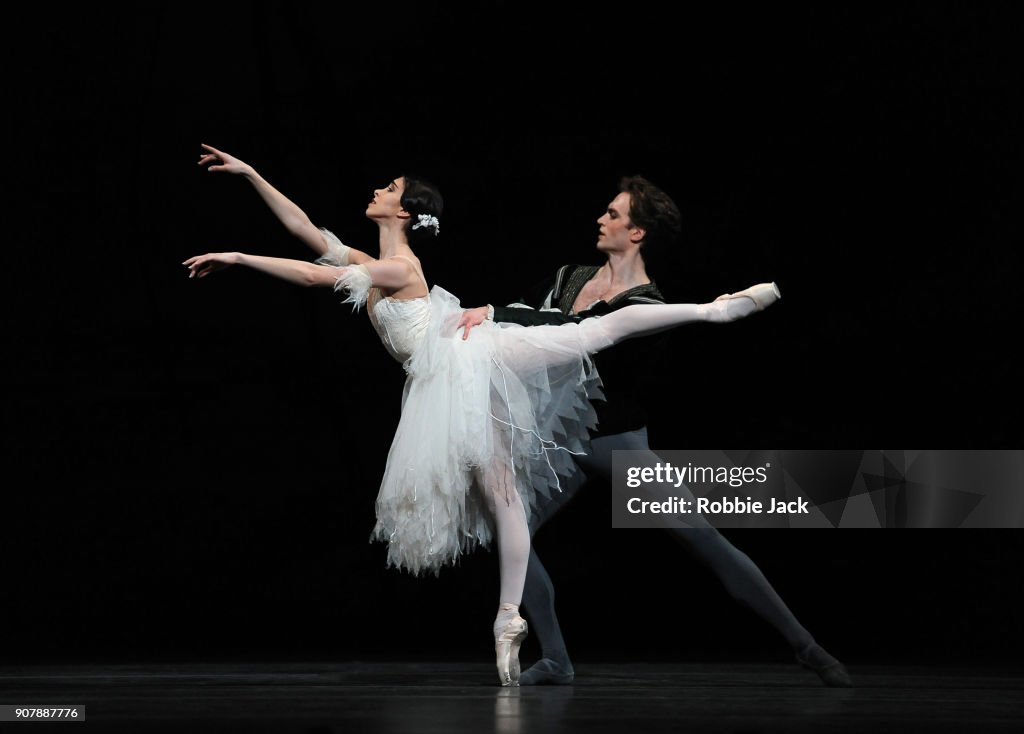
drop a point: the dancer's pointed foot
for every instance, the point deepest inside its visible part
(832, 672)
(734, 306)
(763, 295)
(509, 632)
(548, 672)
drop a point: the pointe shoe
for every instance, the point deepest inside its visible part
(763, 295)
(832, 672)
(506, 649)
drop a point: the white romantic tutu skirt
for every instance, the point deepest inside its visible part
(481, 418)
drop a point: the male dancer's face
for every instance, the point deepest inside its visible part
(617, 233)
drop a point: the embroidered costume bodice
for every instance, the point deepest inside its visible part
(400, 324)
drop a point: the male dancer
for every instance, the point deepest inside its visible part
(640, 217)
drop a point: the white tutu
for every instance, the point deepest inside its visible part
(503, 410)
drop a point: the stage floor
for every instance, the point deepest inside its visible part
(317, 698)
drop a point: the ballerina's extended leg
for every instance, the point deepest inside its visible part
(640, 320)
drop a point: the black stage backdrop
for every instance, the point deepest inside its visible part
(193, 465)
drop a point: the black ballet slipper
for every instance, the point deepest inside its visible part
(832, 672)
(547, 672)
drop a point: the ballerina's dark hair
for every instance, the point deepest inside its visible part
(420, 197)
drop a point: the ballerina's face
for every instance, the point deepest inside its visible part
(387, 202)
(616, 231)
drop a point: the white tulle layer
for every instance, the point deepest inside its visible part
(483, 417)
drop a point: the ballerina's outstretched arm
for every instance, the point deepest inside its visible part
(392, 273)
(322, 242)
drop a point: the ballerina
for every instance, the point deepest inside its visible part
(474, 454)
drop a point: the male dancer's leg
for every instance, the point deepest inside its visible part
(740, 576)
(554, 667)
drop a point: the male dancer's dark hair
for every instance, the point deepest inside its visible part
(654, 211)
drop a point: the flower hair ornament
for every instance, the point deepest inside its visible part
(428, 221)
